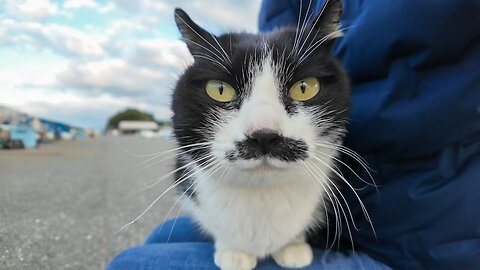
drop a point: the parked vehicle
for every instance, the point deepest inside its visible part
(14, 144)
(22, 137)
(3, 137)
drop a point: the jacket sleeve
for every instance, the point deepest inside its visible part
(415, 116)
(278, 13)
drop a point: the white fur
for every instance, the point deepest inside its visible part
(257, 220)
(259, 208)
(263, 110)
(294, 255)
(234, 260)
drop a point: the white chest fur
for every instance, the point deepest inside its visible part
(256, 219)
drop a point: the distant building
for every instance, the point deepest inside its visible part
(9, 116)
(17, 126)
(130, 127)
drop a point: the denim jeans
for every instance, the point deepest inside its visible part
(184, 247)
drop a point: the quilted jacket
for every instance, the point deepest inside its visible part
(415, 117)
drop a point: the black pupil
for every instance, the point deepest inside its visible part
(303, 87)
(220, 89)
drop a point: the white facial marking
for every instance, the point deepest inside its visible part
(254, 208)
(263, 109)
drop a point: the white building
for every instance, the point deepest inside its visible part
(126, 127)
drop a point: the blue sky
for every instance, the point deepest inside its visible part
(80, 61)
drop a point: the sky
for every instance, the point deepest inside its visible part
(81, 61)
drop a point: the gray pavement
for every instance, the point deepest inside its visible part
(61, 204)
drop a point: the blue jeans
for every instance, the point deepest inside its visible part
(184, 247)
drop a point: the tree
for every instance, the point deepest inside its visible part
(128, 114)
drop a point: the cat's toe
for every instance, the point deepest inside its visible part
(294, 256)
(234, 260)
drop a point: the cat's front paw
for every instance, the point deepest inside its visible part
(234, 260)
(294, 255)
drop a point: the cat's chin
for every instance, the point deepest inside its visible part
(262, 167)
(265, 165)
(263, 172)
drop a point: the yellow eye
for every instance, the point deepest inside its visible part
(305, 89)
(220, 91)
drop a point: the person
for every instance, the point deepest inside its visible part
(415, 117)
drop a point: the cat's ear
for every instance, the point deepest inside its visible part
(326, 25)
(196, 38)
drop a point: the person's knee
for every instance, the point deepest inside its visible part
(165, 256)
(177, 230)
(128, 259)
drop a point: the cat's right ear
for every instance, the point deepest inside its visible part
(196, 38)
(326, 25)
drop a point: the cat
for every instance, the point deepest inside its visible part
(258, 118)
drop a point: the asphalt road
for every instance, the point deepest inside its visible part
(62, 204)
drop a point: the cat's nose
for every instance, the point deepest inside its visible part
(264, 140)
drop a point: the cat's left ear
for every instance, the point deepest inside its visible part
(197, 39)
(326, 25)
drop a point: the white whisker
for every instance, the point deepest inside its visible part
(200, 36)
(352, 170)
(339, 203)
(155, 181)
(215, 169)
(316, 182)
(156, 155)
(178, 182)
(364, 209)
(318, 43)
(146, 166)
(335, 202)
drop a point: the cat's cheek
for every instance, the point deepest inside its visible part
(223, 144)
(301, 127)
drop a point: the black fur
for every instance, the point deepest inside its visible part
(184, 186)
(194, 111)
(286, 149)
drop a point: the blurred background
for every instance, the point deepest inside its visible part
(80, 61)
(85, 92)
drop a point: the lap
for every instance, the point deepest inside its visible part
(178, 230)
(179, 245)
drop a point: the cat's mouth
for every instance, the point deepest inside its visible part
(262, 164)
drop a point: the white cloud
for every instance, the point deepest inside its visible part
(128, 56)
(74, 4)
(110, 76)
(19, 70)
(164, 53)
(222, 15)
(58, 38)
(148, 70)
(90, 4)
(36, 9)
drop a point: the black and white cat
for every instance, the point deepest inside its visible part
(257, 117)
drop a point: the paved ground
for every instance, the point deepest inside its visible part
(61, 205)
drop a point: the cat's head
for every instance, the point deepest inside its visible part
(261, 103)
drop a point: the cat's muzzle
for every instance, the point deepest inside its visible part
(269, 144)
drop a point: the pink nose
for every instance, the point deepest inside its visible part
(262, 116)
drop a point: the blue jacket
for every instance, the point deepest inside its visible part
(415, 72)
